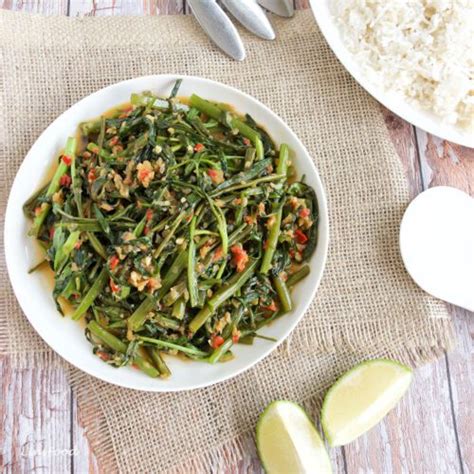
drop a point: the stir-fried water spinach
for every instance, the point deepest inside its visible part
(174, 226)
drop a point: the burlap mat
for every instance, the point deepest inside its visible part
(367, 305)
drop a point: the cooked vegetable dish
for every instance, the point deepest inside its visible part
(174, 226)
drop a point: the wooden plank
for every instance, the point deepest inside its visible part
(125, 7)
(398, 444)
(83, 459)
(417, 436)
(43, 7)
(403, 138)
(5, 380)
(444, 163)
(301, 4)
(338, 460)
(98, 8)
(35, 420)
(163, 7)
(461, 377)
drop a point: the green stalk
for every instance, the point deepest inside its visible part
(160, 364)
(63, 253)
(76, 188)
(94, 148)
(272, 242)
(192, 280)
(96, 245)
(298, 276)
(222, 294)
(259, 148)
(170, 234)
(249, 184)
(137, 232)
(119, 346)
(92, 294)
(166, 323)
(274, 233)
(221, 225)
(283, 294)
(179, 308)
(218, 114)
(193, 351)
(70, 151)
(136, 320)
(282, 167)
(220, 351)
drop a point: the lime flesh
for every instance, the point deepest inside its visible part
(288, 442)
(361, 398)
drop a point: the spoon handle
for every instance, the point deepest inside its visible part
(251, 16)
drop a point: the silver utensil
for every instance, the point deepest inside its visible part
(218, 27)
(279, 7)
(251, 16)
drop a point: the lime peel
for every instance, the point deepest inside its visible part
(361, 398)
(288, 442)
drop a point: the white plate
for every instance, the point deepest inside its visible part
(33, 291)
(418, 117)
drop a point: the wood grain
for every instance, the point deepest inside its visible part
(124, 7)
(430, 431)
(163, 7)
(83, 459)
(301, 4)
(35, 420)
(403, 137)
(418, 436)
(43, 7)
(460, 366)
(445, 163)
(397, 444)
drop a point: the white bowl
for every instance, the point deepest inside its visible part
(33, 291)
(416, 116)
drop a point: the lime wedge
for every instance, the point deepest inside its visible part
(361, 398)
(288, 442)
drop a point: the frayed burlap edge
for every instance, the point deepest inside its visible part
(230, 453)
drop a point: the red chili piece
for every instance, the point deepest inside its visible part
(217, 341)
(65, 180)
(301, 238)
(114, 261)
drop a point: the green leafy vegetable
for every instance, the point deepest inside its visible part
(174, 226)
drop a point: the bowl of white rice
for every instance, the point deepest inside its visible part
(416, 57)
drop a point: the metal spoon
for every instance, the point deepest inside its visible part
(251, 16)
(283, 8)
(218, 27)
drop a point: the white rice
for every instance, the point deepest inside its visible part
(422, 49)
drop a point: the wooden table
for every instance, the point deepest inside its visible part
(432, 429)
